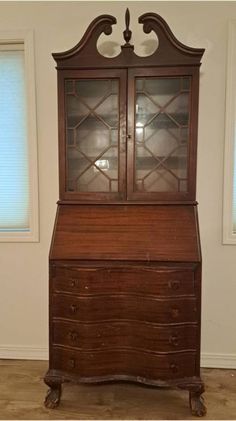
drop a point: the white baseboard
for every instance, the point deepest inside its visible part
(31, 353)
(218, 360)
(19, 352)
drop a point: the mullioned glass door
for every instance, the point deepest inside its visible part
(159, 135)
(94, 130)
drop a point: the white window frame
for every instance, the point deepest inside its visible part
(229, 237)
(26, 38)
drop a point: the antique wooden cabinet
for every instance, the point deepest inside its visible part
(125, 258)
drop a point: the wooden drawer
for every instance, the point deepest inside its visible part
(136, 335)
(166, 282)
(125, 307)
(128, 363)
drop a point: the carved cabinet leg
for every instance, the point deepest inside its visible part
(196, 402)
(53, 396)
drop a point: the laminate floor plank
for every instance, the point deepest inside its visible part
(22, 393)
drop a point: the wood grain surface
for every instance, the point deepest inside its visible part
(157, 281)
(136, 335)
(138, 233)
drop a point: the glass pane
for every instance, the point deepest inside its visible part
(178, 109)
(92, 137)
(108, 111)
(162, 89)
(76, 111)
(145, 109)
(93, 181)
(161, 134)
(92, 116)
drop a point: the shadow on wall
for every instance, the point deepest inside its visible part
(112, 49)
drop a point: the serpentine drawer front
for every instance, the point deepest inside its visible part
(122, 307)
(124, 362)
(134, 334)
(142, 280)
(107, 335)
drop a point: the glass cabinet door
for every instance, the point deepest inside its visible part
(160, 142)
(92, 138)
(127, 135)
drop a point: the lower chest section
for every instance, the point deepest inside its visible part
(129, 321)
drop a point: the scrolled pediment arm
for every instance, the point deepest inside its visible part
(154, 22)
(102, 24)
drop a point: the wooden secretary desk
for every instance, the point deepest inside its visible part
(125, 258)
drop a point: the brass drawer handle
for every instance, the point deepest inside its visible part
(73, 282)
(174, 285)
(174, 340)
(73, 336)
(71, 363)
(74, 308)
(174, 368)
(175, 313)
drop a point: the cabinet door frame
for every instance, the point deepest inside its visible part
(183, 71)
(77, 196)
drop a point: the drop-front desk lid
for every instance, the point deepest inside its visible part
(126, 232)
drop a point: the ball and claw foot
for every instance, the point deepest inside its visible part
(53, 397)
(197, 406)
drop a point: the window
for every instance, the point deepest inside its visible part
(18, 151)
(229, 209)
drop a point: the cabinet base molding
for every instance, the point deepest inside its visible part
(55, 378)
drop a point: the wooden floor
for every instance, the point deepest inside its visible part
(22, 394)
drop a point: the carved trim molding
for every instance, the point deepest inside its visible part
(170, 51)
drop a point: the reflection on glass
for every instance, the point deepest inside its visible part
(161, 134)
(92, 117)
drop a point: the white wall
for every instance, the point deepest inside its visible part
(24, 267)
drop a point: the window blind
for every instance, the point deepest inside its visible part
(14, 171)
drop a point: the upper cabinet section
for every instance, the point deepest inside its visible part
(128, 124)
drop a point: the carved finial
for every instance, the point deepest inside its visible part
(127, 33)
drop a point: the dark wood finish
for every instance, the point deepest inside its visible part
(132, 334)
(117, 74)
(53, 395)
(197, 404)
(171, 58)
(140, 233)
(127, 362)
(125, 266)
(170, 51)
(125, 307)
(190, 194)
(152, 281)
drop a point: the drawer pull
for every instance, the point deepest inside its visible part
(175, 313)
(73, 336)
(174, 285)
(71, 363)
(174, 368)
(73, 282)
(174, 340)
(74, 308)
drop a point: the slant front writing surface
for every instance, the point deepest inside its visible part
(110, 232)
(92, 116)
(161, 133)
